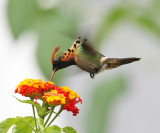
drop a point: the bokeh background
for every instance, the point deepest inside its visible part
(122, 100)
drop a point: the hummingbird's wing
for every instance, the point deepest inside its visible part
(88, 48)
(86, 57)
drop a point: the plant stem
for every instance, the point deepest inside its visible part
(52, 108)
(29, 125)
(34, 117)
(55, 116)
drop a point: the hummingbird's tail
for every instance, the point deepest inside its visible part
(116, 62)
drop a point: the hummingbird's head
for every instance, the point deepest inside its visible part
(61, 60)
(55, 61)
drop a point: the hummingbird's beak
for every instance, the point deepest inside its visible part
(54, 70)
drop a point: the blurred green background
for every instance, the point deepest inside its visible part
(125, 99)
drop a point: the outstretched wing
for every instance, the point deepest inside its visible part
(88, 48)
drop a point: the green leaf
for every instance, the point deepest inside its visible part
(69, 130)
(21, 127)
(52, 129)
(42, 111)
(37, 105)
(102, 99)
(22, 15)
(6, 124)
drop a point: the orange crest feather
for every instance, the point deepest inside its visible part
(56, 49)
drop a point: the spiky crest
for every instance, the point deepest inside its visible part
(56, 49)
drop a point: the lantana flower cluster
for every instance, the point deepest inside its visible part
(53, 95)
(34, 88)
(63, 96)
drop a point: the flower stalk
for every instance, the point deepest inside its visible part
(52, 108)
(34, 117)
(60, 110)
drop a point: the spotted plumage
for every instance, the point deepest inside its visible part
(86, 58)
(70, 53)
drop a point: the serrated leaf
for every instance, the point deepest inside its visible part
(37, 105)
(101, 101)
(69, 130)
(6, 124)
(21, 127)
(52, 129)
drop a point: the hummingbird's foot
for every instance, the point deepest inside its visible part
(93, 72)
(92, 75)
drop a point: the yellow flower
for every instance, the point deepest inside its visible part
(72, 94)
(53, 98)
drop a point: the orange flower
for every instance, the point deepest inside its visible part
(63, 96)
(33, 88)
(53, 95)
(72, 98)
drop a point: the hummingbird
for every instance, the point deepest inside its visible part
(86, 58)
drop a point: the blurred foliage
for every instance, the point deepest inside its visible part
(22, 15)
(102, 99)
(50, 24)
(149, 23)
(54, 28)
(110, 21)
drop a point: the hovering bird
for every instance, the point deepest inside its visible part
(86, 58)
